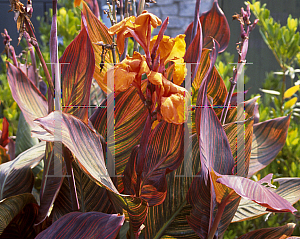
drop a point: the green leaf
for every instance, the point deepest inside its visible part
(289, 104)
(16, 176)
(24, 140)
(10, 207)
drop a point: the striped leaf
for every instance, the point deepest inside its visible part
(91, 197)
(30, 100)
(215, 25)
(98, 32)
(256, 192)
(10, 207)
(53, 175)
(164, 154)
(129, 116)
(194, 50)
(85, 225)
(77, 69)
(270, 233)
(289, 189)
(83, 142)
(16, 176)
(215, 153)
(268, 139)
(169, 218)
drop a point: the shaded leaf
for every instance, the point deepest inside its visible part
(30, 100)
(22, 225)
(270, 233)
(98, 32)
(77, 74)
(268, 139)
(254, 191)
(83, 142)
(289, 189)
(4, 157)
(53, 175)
(24, 140)
(91, 197)
(10, 207)
(85, 225)
(215, 25)
(169, 218)
(16, 176)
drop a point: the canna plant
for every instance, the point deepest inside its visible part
(139, 167)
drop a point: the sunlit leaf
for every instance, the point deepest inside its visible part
(96, 225)
(271, 92)
(30, 100)
(129, 113)
(291, 91)
(256, 192)
(289, 104)
(97, 32)
(77, 69)
(215, 25)
(289, 189)
(268, 139)
(83, 142)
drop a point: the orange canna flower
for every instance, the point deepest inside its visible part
(137, 27)
(127, 71)
(172, 49)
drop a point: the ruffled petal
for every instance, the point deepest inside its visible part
(173, 109)
(179, 72)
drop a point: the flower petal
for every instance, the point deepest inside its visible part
(180, 71)
(173, 108)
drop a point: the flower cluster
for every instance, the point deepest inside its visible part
(164, 67)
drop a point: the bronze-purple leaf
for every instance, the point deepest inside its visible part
(215, 25)
(85, 225)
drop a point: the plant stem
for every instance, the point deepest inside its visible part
(218, 217)
(142, 153)
(282, 89)
(71, 179)
(39, 53)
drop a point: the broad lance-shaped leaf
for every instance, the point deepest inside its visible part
(164, 154)
(215, 25)
(256, 192)
(270, 233)
(128, 112)
(91, 197)
(98, 32)
(85, 225)
(215, 153)
(77, 69)
(169, 218)
(10, 208)
(289, 189)
(16, 176)
(83, 142)
(268, 139)
(30, 100)
(194, 50)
